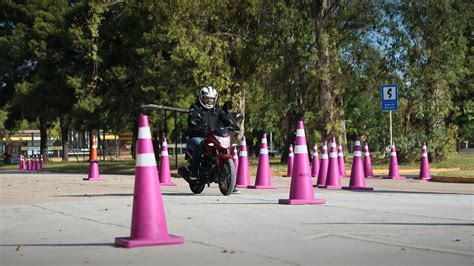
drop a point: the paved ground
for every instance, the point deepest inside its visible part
(59, 219)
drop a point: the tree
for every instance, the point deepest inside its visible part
(431, 46)
(32, 38)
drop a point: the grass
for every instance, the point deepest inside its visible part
(463, 161)
(458, 167)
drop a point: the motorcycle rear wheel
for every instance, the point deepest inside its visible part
(227, 177)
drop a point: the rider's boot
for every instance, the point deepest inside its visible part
(193, 170)
(193, 175)
(184, 173)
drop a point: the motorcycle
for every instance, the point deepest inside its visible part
(216, 163)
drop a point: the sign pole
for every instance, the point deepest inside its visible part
(391, 136)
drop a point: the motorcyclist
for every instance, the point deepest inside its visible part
(204, 116)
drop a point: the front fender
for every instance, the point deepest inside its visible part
(222, 158)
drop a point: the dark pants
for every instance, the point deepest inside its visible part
(195, 145)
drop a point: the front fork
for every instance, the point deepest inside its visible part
(222, 158)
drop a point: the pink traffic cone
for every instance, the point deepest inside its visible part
(94, 174)
(290, 161)
(149, 226)
(393, 172)
(425, 164)
(341, 162)
(323, 166)
(315, 164)
(165, 172)
(33, 162)
(357, 181)
(243, 178)
(37, 162)
(263, 179)
(301, 188)
(235, 158)
(22, 162)
(333, 180)
(367, 163)
(28, 163)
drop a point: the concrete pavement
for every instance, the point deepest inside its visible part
(58, 219)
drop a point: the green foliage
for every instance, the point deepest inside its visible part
(99, 61)
(432, 46)
(3, 118)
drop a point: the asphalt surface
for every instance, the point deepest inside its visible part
(58, 219)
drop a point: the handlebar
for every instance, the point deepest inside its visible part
(233, 128)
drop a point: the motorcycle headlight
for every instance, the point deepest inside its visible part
(224, 141)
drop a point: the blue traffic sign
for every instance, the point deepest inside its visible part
(389, 97)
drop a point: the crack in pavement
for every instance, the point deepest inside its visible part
(400, 213)
(246, 252)
(388, 242)
(74, 216)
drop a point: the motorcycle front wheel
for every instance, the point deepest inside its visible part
(197, 187)
(227, 177)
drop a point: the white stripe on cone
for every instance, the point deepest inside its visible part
(264, 141)
(146, 159)
(357, 153)
(324, 156)
(164, 153)
(301, 149)
(424, 154)
(300, 132)
(144, 133)
(243, 153)
(333, 154)
(263, 151)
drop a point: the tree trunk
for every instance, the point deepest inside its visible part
(156, 144)
(242, 111)
(290, 134)
(90, 133)
(320, 9)
(134, 139)
(44, 139)
(326, 97)
(104, 147)
(343, 136)
(64, 140)
(341, 122)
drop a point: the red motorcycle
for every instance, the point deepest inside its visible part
(216, 164)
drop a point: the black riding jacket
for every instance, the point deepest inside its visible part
(202, 121)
